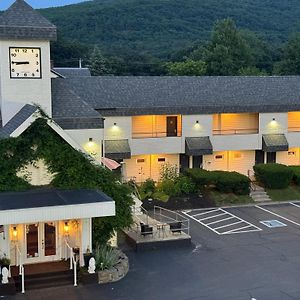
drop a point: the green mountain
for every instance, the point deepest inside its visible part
(161, 27)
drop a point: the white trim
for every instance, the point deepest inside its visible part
(56, 213)
(18, 131)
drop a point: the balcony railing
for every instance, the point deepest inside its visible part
(235, 131)
(156, 134)
(294, 129)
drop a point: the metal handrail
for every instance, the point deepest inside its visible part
(21, 267)
(235, 131)
(142, 210)
(158, 211)
(73, 262)
(154, 134)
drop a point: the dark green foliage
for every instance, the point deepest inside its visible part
(273, 176)
(232, 182)
(98, 64)
(296, 174)
(71, 169)
(186, 68)
(147, 188)
(160, 28)
(225, 182)
(185, 185)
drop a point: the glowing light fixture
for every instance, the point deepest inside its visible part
(66, 228)
(15, 232)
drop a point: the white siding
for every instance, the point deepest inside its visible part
(291, 157)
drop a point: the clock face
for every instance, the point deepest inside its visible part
(25, 63)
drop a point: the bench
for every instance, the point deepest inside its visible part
(146, 230)
(175, 227)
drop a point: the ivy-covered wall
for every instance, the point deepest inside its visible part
(71, 169)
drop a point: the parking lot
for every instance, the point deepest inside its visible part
(246, 260)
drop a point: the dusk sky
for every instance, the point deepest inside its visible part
(4, 4)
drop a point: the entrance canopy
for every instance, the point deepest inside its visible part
(198, 146)
(53, 205)
(274, 143)
(117, 149)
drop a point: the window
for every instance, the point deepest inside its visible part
(161, 160)
(291, 153)
(219, 157)
(237, 155)
(140, 161)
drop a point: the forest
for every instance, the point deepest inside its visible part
(176, 37)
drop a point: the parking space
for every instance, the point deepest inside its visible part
(247, 219)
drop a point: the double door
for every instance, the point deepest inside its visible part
(41, 241)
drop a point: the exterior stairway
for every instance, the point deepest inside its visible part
(44, 275)
(258, 194)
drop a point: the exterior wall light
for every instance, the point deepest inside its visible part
(115, 124)
(90, 139)
(66, 228)
(197, 122)
(274, 119)
(15, 233)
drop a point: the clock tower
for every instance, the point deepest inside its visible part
(25, 70)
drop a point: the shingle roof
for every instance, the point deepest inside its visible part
(136, 95)
(274, 143)
(198, 146)
(70, 111)
(25, 112)
(117, 149)
(73, 72)
(21, 21)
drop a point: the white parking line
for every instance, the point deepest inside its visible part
(235, 220)
(279, 216)
(294, 204)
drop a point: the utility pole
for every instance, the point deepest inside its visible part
(80, 63)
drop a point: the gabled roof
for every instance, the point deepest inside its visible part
(25, 113)
(73, 72)
(21, 21)
(137, 95)
(70, 111)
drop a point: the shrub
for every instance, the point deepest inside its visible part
(296, 174)
(168, 187)
(231, 182)
(185, 185)
(106, 257)
(168, 171)
(200, 177)
(273, 176)
(147, 188)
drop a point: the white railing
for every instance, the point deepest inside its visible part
(141, 211)
(21, 267)
(73, 262)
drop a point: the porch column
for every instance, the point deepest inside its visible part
(86, 238)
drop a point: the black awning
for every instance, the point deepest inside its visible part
(274, 143)
(117, 149)
(198, 146)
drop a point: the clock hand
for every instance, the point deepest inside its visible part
(20, 62)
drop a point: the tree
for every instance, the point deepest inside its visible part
(251, 71)
(98, 64)
(290, 64)
(227, 52)
(188, 68)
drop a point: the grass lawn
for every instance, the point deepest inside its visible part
(221, 199)
(290, 193)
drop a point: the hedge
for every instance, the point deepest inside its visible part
(273, 176)
(296, 174)
(225, 182)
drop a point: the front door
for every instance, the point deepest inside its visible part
(41, 242)
(172, 126)
(271, 157)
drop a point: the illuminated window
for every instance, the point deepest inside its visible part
(140, 161)
(219, 157)
(237, 155)
(161, 160)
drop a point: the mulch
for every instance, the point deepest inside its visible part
(179, 203)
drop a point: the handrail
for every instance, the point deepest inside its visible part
(154, 134)
(140, 210)
(21, 267)
(73, 262)
(235, 131)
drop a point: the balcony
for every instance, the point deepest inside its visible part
(294, 121)
(235, 124)
(156, 126)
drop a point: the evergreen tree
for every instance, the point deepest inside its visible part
(98, 64)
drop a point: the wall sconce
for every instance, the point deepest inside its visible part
(274, 119)
(15, 233)
(115, 124)
(66, 228)
(197, 122)
(90, 139)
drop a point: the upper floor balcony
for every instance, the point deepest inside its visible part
(235, 124)
(294, 121)
(156, 126)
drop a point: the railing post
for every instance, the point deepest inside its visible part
(23, 281)
(71, 257)
(75, 273)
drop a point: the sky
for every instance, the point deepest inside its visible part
(4, 4)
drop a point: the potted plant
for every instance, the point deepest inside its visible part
(4, 262)
(87, 256)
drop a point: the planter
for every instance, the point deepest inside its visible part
(115, 273)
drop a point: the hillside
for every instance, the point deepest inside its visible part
(161, 27)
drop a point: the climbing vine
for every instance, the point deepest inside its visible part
(71, 169)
